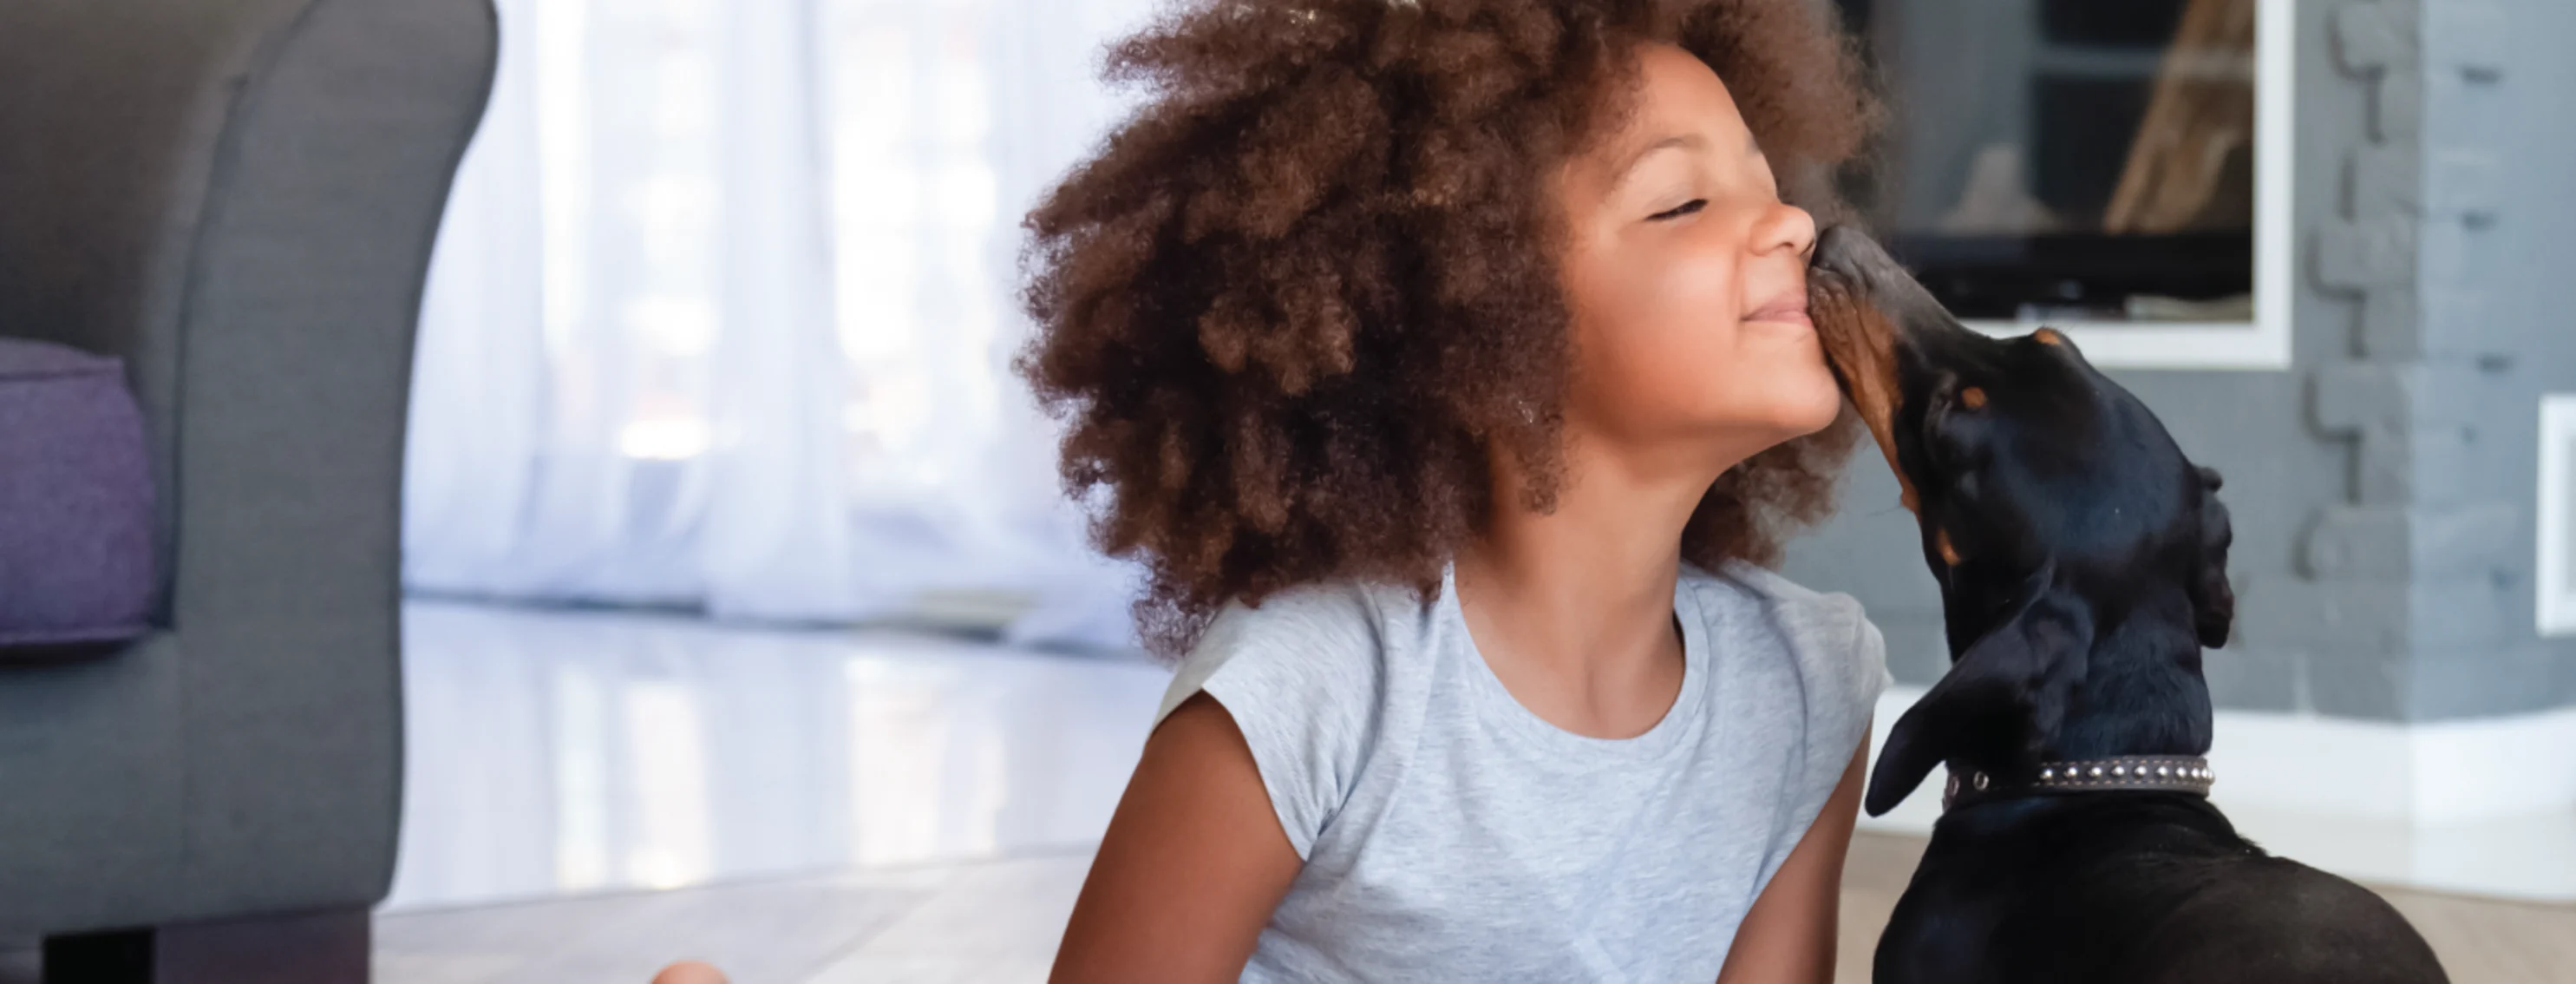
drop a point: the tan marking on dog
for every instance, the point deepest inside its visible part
(1861, 347)
(2048, 336)
(1949, 553)
(1974, 397)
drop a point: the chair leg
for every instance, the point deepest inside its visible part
(326, 947)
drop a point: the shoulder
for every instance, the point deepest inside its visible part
(1776, 592)
(1314, 641)
(1305, 677)
(1826, 637)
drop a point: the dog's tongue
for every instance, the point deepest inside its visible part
(1861, 347)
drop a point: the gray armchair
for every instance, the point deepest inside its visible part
(238, 198)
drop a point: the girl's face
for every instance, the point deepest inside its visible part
(1688, 280)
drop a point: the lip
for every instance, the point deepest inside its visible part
(1791, 310)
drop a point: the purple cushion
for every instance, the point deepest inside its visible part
(75, 500)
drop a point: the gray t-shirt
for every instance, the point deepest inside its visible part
(1450, 834)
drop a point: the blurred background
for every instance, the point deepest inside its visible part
(741, 615)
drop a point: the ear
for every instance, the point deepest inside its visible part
(2001, 699)
(2213, 602)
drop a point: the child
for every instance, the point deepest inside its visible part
(1447, 366)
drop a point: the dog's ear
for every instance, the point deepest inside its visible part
(2213, 602)
(2001, 699)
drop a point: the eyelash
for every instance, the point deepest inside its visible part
(1686, 208)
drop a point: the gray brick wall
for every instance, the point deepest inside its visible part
(2382, 487)
(2497, 257)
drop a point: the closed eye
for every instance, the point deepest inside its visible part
(1686, 208)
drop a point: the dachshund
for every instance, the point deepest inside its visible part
(2082, 564)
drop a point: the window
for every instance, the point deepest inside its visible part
(909, 115)
(2117, 170)
(2557, 514)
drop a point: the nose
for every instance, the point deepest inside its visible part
(1785, 227)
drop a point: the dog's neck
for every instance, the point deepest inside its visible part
(2138, 721)
(2142, 694)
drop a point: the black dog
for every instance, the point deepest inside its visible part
(2082, 563)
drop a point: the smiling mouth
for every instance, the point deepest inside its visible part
(1787, 314)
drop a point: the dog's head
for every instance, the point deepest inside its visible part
(2070, 537)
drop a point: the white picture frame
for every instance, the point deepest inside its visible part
(2262, 344)
(2554, 567)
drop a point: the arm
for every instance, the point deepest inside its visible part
(1192, 865)
(1789, 936)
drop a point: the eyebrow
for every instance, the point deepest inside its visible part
(1629, 168)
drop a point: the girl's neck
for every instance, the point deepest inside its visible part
(1573, 608)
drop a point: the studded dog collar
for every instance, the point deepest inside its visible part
(2148, 773)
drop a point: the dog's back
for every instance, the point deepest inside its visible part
(2133, 888)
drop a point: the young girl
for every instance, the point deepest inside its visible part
(1448, 367)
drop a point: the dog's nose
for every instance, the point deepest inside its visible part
(1833, 241)
(1833, 246)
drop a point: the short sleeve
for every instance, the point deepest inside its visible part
(1302, 676)
(1842, 659)
(1869, 659)
(1840, 662)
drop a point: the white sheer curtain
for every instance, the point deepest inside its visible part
(722, 313)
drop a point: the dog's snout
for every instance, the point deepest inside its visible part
(1851, 253)
(1833, 249)
(1833, 245)
(1851, 263)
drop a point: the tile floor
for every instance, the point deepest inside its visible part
(566, 752)
(997, 921)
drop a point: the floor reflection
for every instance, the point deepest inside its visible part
(554, 752)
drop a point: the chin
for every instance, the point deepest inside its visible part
(1812, 406)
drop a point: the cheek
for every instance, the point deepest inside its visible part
(1672, 352)
(1661, 325)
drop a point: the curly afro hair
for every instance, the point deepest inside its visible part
(1291, 305)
